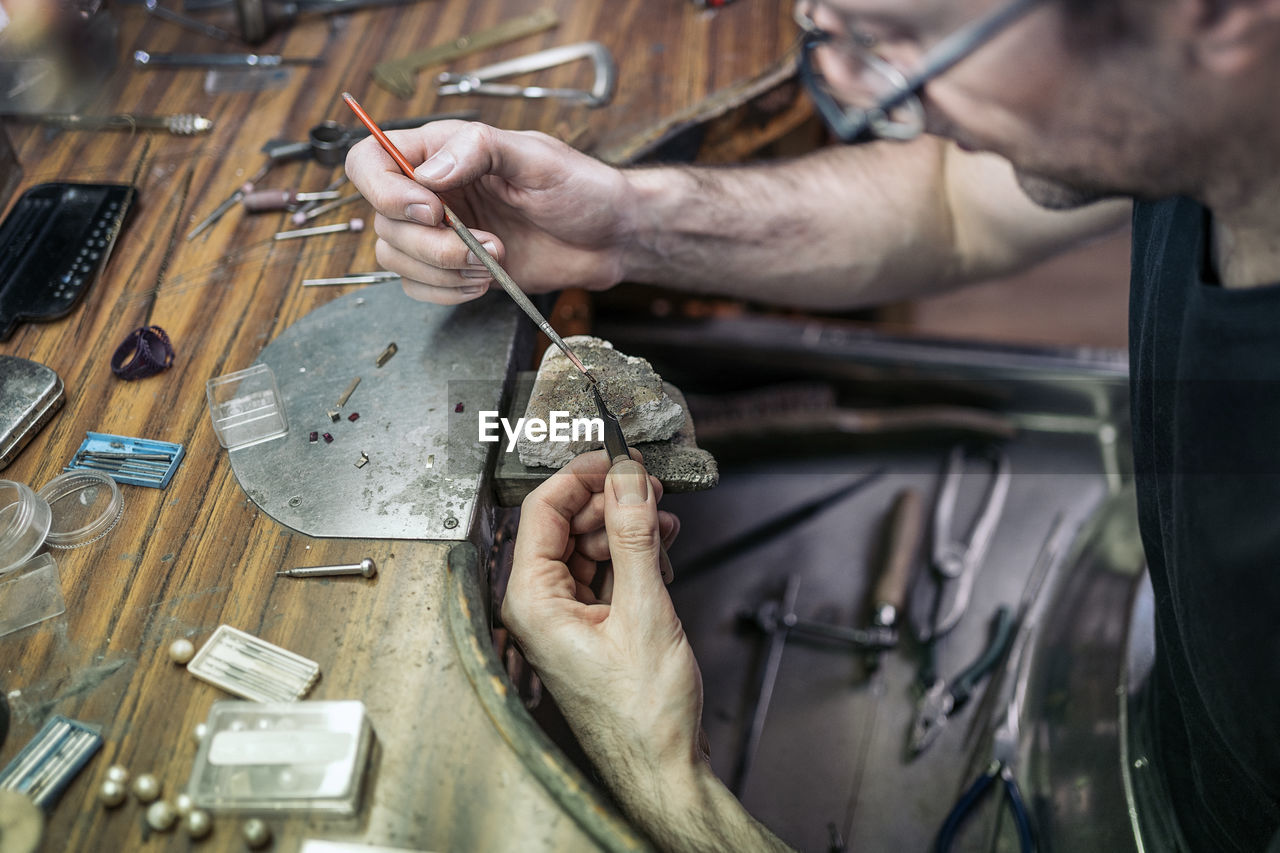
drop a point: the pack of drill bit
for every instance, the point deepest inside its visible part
(252, 668)
(46, 765)
(136, 461)
(280, 756)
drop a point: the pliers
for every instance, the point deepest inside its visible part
(1012, 695)
(956, 563)
(942, 699)
(1003, 752)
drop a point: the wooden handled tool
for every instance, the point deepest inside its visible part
(903, 531)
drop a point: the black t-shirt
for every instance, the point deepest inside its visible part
(1205, 364)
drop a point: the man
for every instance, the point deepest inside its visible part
(1033, 112)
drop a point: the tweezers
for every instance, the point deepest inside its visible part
(615, 443)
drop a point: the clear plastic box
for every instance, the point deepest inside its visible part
(30, 594)
(267, 757)
(24, 523)
(245, 407)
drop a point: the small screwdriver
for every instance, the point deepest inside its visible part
(256, 201)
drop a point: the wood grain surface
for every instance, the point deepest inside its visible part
(199, 554)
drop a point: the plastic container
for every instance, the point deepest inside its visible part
(72, 509)
(30, 594)
(24, 523)
(263, 757)
(84, 506)
(245, 407)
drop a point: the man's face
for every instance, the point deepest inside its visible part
(1069, 101)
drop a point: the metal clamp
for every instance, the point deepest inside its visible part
(477, 81)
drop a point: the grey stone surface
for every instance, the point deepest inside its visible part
(629, 385)
(678, 462)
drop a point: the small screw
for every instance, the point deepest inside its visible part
(295, 501)
(365, 567)
(450, 522)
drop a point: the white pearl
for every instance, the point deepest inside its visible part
(181, 651)
(182, 804)
(146, 787)
(201, 730)
(256, 833)
(112, 793)
(161, 816)
(199, 823)
(118, 773)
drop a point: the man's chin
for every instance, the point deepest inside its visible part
(1057, 195)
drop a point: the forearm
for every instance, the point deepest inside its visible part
(844, 227)
(829, 230)
(686, 809)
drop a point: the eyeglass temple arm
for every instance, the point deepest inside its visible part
(960, 44)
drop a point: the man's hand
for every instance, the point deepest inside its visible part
(587, 603)
(552, 216)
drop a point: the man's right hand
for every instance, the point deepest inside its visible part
(552, 216)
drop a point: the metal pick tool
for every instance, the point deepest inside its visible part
(499, 274)
(182, 124)
(219, 60)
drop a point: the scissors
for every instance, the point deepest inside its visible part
(955, 562)
(1013, 692)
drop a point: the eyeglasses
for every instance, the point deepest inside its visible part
(876, 99)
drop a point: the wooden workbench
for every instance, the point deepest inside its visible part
(447, 771)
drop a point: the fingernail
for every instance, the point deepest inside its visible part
(490, 247)
(473, 290)
(421, 213)
(476, 273)
(630, 483)
(436, 167)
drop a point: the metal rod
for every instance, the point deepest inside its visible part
(764, 695)
(302, 217)
(147, 59)
(357, 278)
(128, 457)
(495, 269)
